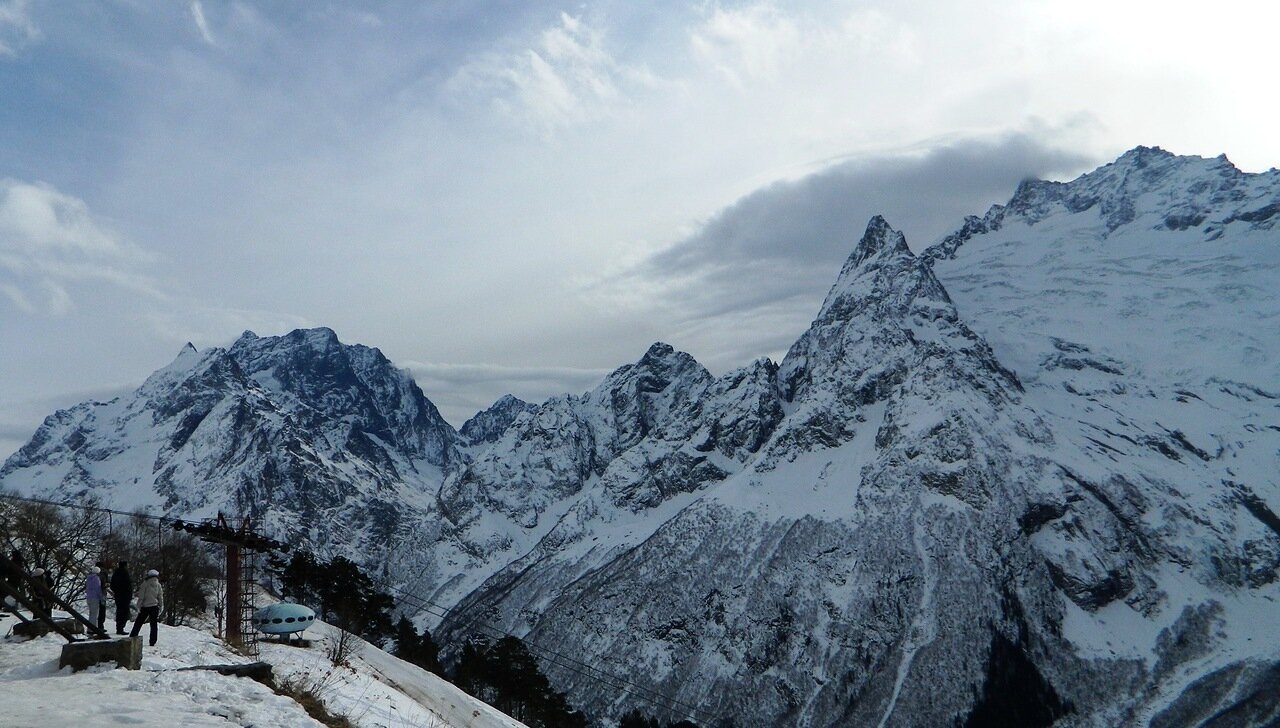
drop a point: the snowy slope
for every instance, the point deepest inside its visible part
(377, 690)
(1139, 305)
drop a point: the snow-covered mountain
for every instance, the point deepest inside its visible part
(317, 440)
(1031, 475)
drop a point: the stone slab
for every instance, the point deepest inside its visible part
(126, 652)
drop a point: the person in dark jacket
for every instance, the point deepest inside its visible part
(122, 592)
(40, 596)
(18, 568)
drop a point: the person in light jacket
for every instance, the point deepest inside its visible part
(104, 578)
(150, 598)
(94, 597)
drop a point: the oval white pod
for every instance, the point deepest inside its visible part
(283, 618)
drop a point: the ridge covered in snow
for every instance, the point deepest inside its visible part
(1030, 472)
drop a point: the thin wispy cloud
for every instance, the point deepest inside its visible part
(17, 28)
(566, 77)
(750, 43)
(49, 241)
(202, 25)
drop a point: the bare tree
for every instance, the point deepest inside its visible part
(341, 648)
(184, 563)
(62, 541)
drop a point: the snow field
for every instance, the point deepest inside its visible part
(376, 690)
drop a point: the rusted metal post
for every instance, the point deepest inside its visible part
(234, 636)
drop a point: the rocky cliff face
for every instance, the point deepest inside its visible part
(868, 562)
(1027, 477)
(489, 425)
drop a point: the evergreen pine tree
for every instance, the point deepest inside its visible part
(506, 675)
(635, 718)
(421, 650)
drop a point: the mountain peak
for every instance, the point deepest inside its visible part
(488, 425)
(1143, 155)
(879, 238)
(657, 352)
(1146, 186)
(880, 260)
(319, 336)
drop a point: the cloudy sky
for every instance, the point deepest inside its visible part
(519, 195)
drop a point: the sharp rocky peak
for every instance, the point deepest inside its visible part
(488, 425)
(886, 317)
(882, 271)
(880, 239)
(660, 367)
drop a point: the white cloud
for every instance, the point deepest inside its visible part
(752, 43)
(197, 12)
(17, 29)
(764, 44)
(37, 217)
(49, 240)
(566, 77)
(18, 298)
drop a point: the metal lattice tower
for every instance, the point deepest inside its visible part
(242, 545)
(248, 603)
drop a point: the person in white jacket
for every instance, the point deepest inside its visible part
(150, 598)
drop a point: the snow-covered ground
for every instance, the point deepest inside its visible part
(376, 690)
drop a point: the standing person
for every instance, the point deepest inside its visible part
(122, 592)
(93, 596)
(19, 568)
(150, 597)
(38, 599)
(100, 619)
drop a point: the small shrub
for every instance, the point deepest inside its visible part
(307, 694)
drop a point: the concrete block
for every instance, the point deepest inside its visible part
(126, 652)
